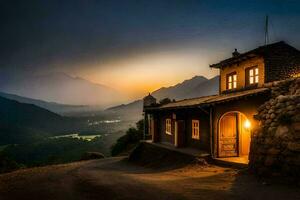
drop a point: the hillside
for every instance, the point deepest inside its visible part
(195, 87)
(61, 88)
(22, 119)
(51, 106)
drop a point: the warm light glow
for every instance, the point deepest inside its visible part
(247, 124)
(296, 75)
(137, 75)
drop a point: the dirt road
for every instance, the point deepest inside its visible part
(114, 178)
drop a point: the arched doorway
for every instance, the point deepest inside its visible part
(234, 135)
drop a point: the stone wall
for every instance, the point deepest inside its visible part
(275, 146)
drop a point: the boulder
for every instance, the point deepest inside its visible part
(281, 98)
(281, 131)
(296, 126)
(268, 121)
(291, 112)
(291, 107)
(279, 111)
(272, 116)
(279, 105)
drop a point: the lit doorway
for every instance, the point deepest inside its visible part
(234, 135)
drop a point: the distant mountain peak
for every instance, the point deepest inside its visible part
(191, 88)
(64, 89)
(180, 90)
(198, 77)
(52, 106)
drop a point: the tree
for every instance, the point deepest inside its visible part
(165, 101)
(128, 141)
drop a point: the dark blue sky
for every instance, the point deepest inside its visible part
(81, 37)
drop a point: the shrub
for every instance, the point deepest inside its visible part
(7, 164)
(92, 156)
(165, 101)
(129, 140)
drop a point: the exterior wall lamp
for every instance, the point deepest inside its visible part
(247, 124)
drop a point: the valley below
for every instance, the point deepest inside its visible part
(36, 132)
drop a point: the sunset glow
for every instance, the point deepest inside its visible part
(131, 48)
(138, 75)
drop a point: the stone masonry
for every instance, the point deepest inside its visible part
(275, 145)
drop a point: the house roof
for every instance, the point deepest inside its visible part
(208, 100)
(266, 50)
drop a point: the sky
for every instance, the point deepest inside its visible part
(136, 46)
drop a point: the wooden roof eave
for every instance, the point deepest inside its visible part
(205, 104)
(232, 61)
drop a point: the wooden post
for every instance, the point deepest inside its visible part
(211, 130)
(145, 125)
(176, 134)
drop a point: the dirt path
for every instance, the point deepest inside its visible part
(115, 178)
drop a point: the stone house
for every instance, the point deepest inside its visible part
(222, 125)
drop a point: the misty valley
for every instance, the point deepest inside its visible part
(35, 132)
(32, 136)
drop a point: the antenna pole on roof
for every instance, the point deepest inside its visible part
(267, 30)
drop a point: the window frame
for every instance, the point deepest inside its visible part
(195, 129)
(168, 126)
(228, 76)
(254, 76)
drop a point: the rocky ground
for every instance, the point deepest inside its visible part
(116, 178)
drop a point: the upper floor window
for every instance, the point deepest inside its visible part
(195, 129)
(252, 75)
(168, 127)
(231, 82)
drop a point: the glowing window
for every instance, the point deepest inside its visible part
(168, 127)
(195, 129)
(232, 81)
(253, 75)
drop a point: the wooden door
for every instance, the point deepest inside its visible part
(228, 136)
(180, 133)
(151, 126)
(154, 133)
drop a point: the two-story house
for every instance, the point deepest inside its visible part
(222, 124)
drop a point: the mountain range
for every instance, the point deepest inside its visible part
(61, 109)
(196, 87)
(22, 119)
(61, 88)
